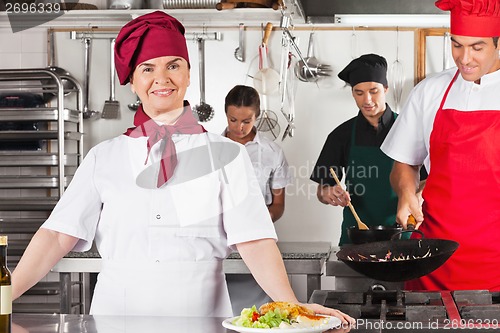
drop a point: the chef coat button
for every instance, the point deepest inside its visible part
(157, 260)
(158, 216)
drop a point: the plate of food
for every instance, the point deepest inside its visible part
(280, 315)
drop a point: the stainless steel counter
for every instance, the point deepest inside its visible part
(302, 258)
(45, 323)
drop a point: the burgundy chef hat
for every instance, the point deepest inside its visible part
(149, 36)
(366, 68)
(475, 18)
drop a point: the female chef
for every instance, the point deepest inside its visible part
(164, 202)
(451, 124)
(242, 107)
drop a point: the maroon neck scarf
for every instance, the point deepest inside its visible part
(145, 126)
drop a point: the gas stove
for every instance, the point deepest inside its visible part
(416, 311)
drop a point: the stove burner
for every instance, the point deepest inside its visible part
(444, 308)
(478, 305)
(388, 305)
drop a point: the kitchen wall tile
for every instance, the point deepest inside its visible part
(10, 60)
(33, 60)
(34, 40)
(10, 42)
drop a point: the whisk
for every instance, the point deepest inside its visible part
(397, 77)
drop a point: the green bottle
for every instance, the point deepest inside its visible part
(5, 289)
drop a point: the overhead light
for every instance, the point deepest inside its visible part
(400, 20)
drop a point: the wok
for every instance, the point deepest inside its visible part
(422, 256)
(375, 233)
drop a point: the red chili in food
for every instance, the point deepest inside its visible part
(255, 316)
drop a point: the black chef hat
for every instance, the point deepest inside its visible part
(367, 68)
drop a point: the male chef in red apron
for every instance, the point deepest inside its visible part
(451, 124)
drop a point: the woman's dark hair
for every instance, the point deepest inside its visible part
(243, 96)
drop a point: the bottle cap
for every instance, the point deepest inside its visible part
(3, 240)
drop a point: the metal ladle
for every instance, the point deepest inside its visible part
(203, 111)
(134, 106)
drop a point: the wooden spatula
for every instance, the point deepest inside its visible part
(361, 225)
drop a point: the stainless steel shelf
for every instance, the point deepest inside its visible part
(20, 225)
(32, 181)
(23, 158)
(36, 135)
(28, 204)
(38, 114)
(117, 18)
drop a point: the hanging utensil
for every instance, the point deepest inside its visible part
(266, 80)
(361, 225)
(314, 69)
(290, 97)
(239, 53)
(447, 50)
(134, 106)
(286, 60)
(203, 111)
(354, 44)
(111, 106)
(397, 77)
(267, 124)
(289, 83)
(87, 113)
(285, 22)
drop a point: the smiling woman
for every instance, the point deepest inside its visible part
(161, 84)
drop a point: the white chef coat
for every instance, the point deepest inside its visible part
(269, 164)
(271, 169)
(162, 249)
(408, 139)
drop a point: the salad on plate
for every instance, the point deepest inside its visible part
(280, 315)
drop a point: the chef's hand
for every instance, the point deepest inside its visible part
(333, 195)
(347, 321)
(409, 204)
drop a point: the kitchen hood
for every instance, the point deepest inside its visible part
(324, 11)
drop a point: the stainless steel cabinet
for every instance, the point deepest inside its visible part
(41, 129)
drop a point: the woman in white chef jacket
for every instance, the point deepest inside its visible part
(162, 234)
(242, 107)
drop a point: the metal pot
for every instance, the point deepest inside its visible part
(375, 233)
(420, 257)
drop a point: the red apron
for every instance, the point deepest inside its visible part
(462, 198)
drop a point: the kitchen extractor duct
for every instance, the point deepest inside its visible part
(324, 11)
(190, 4)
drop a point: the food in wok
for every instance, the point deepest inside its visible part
(397, 260)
